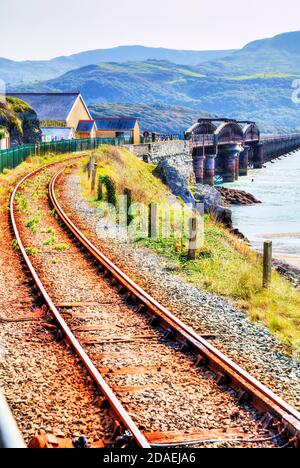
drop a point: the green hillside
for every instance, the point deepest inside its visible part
(266, 98)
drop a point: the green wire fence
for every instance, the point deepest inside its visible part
(11, 158)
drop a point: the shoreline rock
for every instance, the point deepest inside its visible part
(289, 272)
(237, 197)
(216, 200)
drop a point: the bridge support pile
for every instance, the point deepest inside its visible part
(227, 148)
(244, 161)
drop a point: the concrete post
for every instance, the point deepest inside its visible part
(209, 169)
(244, 161)
(258, 157)
(198, 164)
(237, 165)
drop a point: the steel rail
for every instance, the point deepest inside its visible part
(260, 396)
(95, 374)
(10, 436)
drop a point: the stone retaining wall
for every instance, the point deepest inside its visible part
(176, 152)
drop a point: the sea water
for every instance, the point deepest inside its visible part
(277, 186)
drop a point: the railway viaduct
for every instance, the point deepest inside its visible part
(227, 148)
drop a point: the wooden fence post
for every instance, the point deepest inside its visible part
(192, 249)
(128, 194)
(90, 165)
(153, 221)
(267, 264)
(94, 175)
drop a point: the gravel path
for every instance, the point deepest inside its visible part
(43, 381)
(249, 344)
(158, 385)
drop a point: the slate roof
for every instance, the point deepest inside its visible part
(49, 106)
(116, 124)
(85, 126)
(60, 133)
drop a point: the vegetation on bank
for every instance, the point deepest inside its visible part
(20, 120)
(225, 265)
(228, 267)
(128, 172)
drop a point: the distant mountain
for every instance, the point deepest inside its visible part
(266, 99)
(253, 83)
(13, 72)
(280, 54)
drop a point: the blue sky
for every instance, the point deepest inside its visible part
(39, 29)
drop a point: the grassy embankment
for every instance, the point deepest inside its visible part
(9, 176)
(225, 265)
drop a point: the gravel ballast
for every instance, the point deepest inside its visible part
(249, 344)
(44, 383)
(159, 385)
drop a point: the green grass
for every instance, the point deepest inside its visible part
(61, 247)
(31, 251)
(262, 76)
(51, 241)
(47, 231)
(225, 265)
(34, 221)
(15, 245)
(128, 172)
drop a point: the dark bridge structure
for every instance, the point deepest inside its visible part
(226, 148)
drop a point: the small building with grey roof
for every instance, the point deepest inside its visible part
(87, 129)
(118, 128)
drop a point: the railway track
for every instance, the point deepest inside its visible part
(10, 436)
(147, 358)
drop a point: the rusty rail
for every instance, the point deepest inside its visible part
(98, 379)
(10, 436)
(247, 386)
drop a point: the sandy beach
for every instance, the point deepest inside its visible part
(293, 260)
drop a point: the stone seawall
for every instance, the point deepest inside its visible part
(176, 152)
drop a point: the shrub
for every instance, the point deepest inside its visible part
(110, 186)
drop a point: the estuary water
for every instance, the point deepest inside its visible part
(278, 217)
